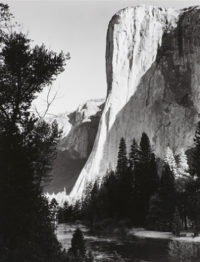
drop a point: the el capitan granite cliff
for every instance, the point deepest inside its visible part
(153, 79)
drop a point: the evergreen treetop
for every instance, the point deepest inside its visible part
(134, 154)
(122, 162)
(196, 151)
(170, 160)
(182, 167)
(78, 244)
(145, 147)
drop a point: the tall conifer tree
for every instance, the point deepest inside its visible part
(134, 154)
(145, 147)
(146, 179)
(196, 151)
(170, 160)
(167, 195)
(78, 244)
(122, 162)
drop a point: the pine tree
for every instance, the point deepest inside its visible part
(76, 210)
(145, 147)
(196, 151)
(182, 179)
(78, 244)
(193, 204)
(182, 167)
(125, 182)
(193, 186)
(170, 160)
(134, 159)
(133, 155)
(93, 205)
(167, 195)
(110, 188)
(148, 166)
(122, 162)
(146, 180)
(152, 179)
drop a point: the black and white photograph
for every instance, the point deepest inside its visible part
(99, 131)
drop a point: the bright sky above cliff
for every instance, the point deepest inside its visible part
(78, 27)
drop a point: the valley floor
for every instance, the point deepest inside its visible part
(142, 233)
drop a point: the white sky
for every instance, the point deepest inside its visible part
(78, 27)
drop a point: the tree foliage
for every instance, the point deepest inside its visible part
(134, 155)
(122, 162)
(196, 151)
(78, 244)
(125, 193)
(27, 149)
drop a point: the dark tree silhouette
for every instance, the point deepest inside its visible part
(196, 151)
(27, 149)
(109, 195)
(122, 162)
(146, 180)
(134, 154)
(168, 196)
(93, 204)
(145, 147)
(124, 181)
(193, 204)
(78, 244)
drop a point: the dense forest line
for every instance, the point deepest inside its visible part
(144, 191)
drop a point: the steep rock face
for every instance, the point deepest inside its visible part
(75, 147)
(153, 65)
(84, 121)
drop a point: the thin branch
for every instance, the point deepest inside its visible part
(37, 112)
(49, 101)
